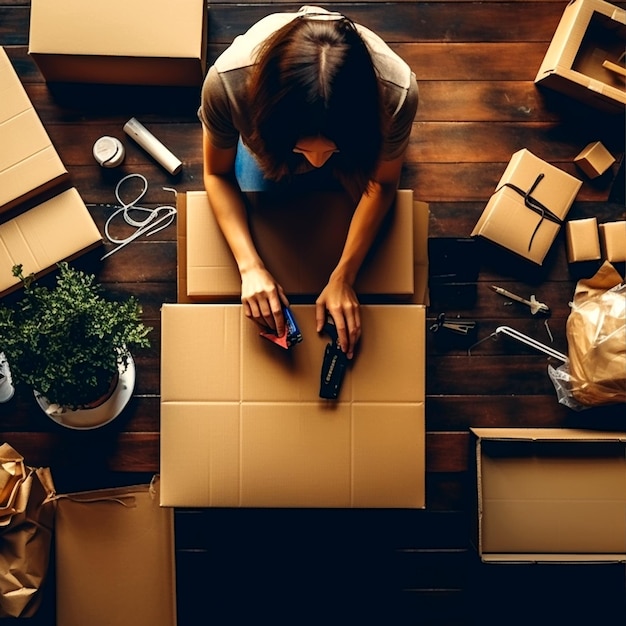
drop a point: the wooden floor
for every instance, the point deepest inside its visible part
(475, 63)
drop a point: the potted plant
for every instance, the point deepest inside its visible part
(70, 344)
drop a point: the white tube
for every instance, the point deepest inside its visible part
(152, 146)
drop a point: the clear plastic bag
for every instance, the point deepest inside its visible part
(595, 373)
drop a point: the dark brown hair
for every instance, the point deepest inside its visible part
(316, 77)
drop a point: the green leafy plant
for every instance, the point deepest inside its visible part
(68, 342)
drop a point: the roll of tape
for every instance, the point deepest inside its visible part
(108, 151)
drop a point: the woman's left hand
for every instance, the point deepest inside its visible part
(339, 299)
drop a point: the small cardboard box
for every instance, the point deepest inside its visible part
(525, 213)
(242, 423)
(144, 42)
(613, 241)
(29, 163)
(58, 229)
(115, 558)
(582, 240)
(594, 159)
(590, 32)
(550, 495)
(300, 245)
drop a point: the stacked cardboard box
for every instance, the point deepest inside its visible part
(40, 234)
(242, 422)
(145, 42)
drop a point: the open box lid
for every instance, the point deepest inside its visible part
(550, 495)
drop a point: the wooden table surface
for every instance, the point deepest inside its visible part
(475, 63)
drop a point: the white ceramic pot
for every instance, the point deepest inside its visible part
(98, 416)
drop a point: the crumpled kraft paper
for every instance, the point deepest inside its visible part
(26, 524)
(596, 335)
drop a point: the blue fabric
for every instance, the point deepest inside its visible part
(250, 177)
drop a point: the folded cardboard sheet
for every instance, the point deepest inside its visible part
(115, 560)
(242, 424)
(300, 240)
(144, 42)
(547, 495)
(55, 230)
(590, 32)
(29, 163)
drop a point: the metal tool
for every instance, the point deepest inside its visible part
(334, 365)
(525, 339)
(534, 304)
(458, 326)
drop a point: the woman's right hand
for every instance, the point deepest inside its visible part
(263, 299)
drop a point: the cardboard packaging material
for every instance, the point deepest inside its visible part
(525, 212)
(115, 558)
(590, 32)
(58, 229)
(29, 163)
(594, 159)
(145, 42)
(299, 244)
(613, 241)
(242, 423)
(550, 495)
(582, 240)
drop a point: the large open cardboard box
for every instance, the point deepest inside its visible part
(144, 42)
(590, 32)
(242, 424)
(29, 163)
(550, 495)
(299, 244)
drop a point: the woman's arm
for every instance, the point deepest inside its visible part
(338, 297)
(261, 296)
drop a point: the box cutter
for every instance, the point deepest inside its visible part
(334, 364)
(292, 335)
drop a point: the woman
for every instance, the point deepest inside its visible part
(299, 100)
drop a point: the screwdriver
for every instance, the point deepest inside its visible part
(534, 304)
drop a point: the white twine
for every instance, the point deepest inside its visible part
(156, 219)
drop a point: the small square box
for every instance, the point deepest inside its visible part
(590, 33)
(583, 242)
(594, 160)
(613, 241)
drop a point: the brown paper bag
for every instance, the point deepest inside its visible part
(596, 335)
(26, 525)
(115, 562)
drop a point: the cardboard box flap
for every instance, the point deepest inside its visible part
(115, 558)
(168, 30)
(300, 245)
(29, 163)
(547, 434)
(242, 423)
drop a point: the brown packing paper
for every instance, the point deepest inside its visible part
(25, 535)
(596, 334)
